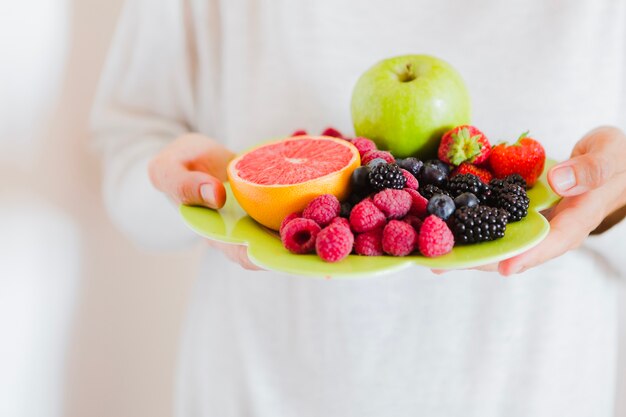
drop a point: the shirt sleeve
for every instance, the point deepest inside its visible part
(145, 99)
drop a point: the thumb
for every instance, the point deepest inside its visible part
(184, 186)
(199, 189)
(595, 159)
(581, 174)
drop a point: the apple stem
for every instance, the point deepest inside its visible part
(408, 73)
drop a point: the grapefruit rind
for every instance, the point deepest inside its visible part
(269, 204)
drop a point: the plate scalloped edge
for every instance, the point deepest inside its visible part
(232, 225)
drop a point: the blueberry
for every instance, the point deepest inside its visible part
(430, 174)
(355, 198)
(413, 165)
(466, 200)
(443, 167)
(375, 162)
(360, 180)
(441, 206)
(346, 208)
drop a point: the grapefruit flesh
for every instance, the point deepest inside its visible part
(276, 179)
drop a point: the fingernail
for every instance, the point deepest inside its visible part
(563, 178)
(207, 191)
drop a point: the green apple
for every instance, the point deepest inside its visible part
(406, 103)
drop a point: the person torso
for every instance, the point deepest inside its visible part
(468, 343)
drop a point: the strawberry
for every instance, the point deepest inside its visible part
(466, 168)
(525, 157)
(464, 144)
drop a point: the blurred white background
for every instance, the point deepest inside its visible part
(88, 323)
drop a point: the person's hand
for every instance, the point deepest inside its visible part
(190, 170)
(593, 185)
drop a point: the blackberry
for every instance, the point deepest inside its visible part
(500, 188)
(478, 224)
(517, 179)
(497, 184)
(515, 204)
(469, 183)
(386, 176)
(429, 190)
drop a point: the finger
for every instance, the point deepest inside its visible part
(571, 223)
(556, 244)
(581, 174)
(236, 253)
(185, 186)
(487, 268)
(240, 253)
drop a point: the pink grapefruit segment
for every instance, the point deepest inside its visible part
(293, 161)
(276, 179)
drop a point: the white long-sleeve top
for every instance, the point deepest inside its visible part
(466, 344)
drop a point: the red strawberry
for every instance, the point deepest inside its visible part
(467, 168)
(464, 144)
(525, 157)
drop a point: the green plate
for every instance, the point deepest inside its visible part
(232, 225)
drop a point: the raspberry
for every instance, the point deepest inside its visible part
(419, 204)
(322, 209)
(414, 221)
(368, 156)
(399, 238)
(332, 132)
(363, 145)
(435, 238)
(299, 132)
(411, 182)
(340, 221)
(394, 204)
(369, 243)
(287, 220)
(334, 243)
(299, 235)
(365, 216)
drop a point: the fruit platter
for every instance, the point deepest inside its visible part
(335, 206)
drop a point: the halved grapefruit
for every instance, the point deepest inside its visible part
(281, 177)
